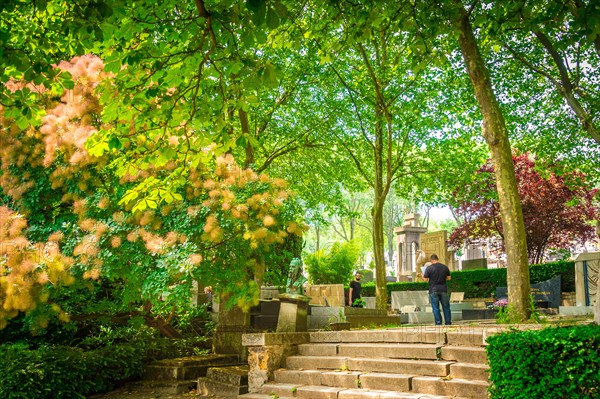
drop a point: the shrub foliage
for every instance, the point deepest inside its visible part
(559, 362)
(482, 283)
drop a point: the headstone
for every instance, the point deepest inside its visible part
(473, 264)
(436, 243)
(233, 323)
(415, 298)
(293, 313)
(326, 294)
(546, 291)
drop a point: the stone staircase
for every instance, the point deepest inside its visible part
(403, 363)
(226, 382)
(179, 375)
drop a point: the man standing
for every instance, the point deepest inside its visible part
(436, 275)
(354, 292)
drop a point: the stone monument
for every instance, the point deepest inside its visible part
(293, 311)
(587, 272)
(408, 239)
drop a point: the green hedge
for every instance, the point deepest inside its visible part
(559, 362)
(482, 283)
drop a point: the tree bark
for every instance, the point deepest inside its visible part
(380, 195)
(496, 136)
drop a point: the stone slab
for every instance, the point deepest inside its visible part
(318, 349)
(470, 371)
(400, 366)
(318, 392)
(576, 310)
(385, 350)
(316, 363)
(415, 298)
(266, 339)
(464, 354)
(279, 389)
(386, 381)
(298, 377)
(452, 387)
(342, 379)
(419, 334)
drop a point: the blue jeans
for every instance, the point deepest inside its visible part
(435, 298)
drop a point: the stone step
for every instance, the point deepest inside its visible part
(269, 391)
(318, 349)
(209, 387)
(386, 381)
(396, 366)
(188, 368)
(470, 371)
(383, 350)
(297, 377)
(316, 362)
(450, 387)
(234, 375)
(394, 351)
(464, 354)
(401, 366)
(425, 334)
(276, 389)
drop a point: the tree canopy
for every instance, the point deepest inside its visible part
(166, 117)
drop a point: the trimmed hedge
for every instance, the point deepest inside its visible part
(482, 283)
(561, 362)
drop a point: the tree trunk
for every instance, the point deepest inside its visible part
(377, 212)
(378, 253)
(496, 135)
(249, 161)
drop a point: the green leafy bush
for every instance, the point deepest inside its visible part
(561, 362)
(101, 364)
(334, 267)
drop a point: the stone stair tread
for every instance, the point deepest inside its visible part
(261, 396)
(207, 386)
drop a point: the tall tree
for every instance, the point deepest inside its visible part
(496, 135)
(373, 86)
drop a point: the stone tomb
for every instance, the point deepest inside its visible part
(416, 305)
(326, 294)
(547, 292)
(587, 268)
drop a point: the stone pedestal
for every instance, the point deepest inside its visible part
(267, 353)
(233, 323)
(293, 313)
(408, 239)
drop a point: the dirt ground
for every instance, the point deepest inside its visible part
(132, 393)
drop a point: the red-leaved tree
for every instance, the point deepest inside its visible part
(558, 208)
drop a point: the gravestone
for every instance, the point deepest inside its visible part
(473, 264)
(414, 298)
(587, 267)
(437, 243)
(546, 291)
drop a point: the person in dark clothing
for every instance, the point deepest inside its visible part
(354, 292)
(437, 274)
